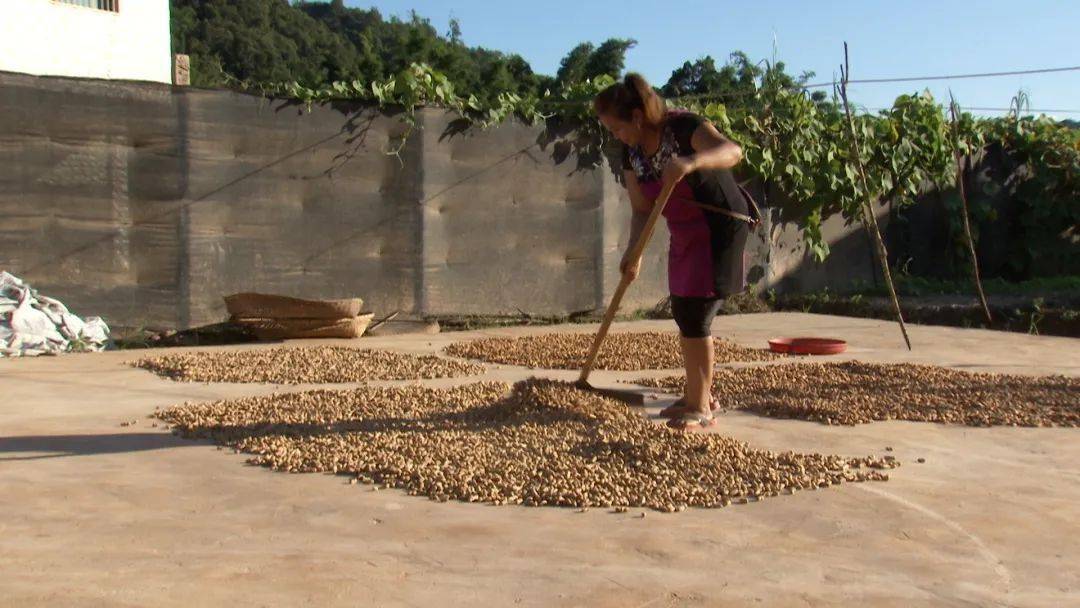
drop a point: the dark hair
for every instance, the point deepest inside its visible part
(633, 93)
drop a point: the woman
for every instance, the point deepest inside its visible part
(705, 257)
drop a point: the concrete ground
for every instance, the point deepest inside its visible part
(95, 514)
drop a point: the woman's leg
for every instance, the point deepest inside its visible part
(694, 317)
(698, 361)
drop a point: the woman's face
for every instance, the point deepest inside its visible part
(623, 130)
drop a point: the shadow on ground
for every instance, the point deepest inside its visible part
(62, 446)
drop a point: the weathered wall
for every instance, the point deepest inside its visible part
(793, 269)
(503, 227)
(282, 201)
(89, 175)
(145, 204)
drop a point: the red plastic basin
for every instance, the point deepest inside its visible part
(807, 346)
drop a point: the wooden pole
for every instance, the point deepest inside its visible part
(867, 204)
(954, 112)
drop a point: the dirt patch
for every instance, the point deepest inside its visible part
(1010, 313)
(321, 364)
(450, 323)
(854, 392)
(620, 351)
(544, 443)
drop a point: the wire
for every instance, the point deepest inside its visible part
(983, 109)
(820, 85)
(1074, 68)
(1038, 110)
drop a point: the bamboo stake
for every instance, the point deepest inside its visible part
(867, 205)
(954, 111)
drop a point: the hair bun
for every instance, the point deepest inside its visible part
(633, 93)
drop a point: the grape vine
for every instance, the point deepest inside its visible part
(798, 144)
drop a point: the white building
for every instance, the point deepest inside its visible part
(113, 39)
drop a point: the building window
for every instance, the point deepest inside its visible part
(113, 6)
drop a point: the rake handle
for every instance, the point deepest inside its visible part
(616, 299)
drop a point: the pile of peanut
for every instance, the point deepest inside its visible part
(540, 442)
(304, 365)
(854, 392)
(619, 352)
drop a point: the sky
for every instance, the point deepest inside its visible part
(886, 39)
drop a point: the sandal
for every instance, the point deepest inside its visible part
(676, 409)
(692, 421)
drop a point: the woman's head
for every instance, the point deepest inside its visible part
(629, 107)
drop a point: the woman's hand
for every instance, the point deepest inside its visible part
(628, 269)
(677, 168)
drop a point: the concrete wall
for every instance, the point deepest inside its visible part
(793, 269)
(497, 211)
(49, 37)
(146, 204)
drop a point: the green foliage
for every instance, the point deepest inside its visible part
(587, 62)
(258, 40)
(799, 144)
(1036, 316)
(737, 78)
(796, 142)
(1047, 187)
(608, 59)
(317, 43)
(572, 67)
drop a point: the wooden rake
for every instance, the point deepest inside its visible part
(630, 397)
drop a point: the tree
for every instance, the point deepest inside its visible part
(317, 43)
(586, 61)
(387, 47)
(259, 41)
(572, 67)
(184, 24)
(455, 31)
(609, 59)
(735, 79)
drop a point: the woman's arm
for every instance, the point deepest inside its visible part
(640, 207)
(638, 201)
(711, 151)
